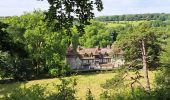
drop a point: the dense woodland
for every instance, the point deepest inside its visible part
(31, 47)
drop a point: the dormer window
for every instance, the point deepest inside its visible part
(106, 54)
(91, 55)
(86, 55)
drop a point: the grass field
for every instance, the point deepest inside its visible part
(122, 23)
(85, 81)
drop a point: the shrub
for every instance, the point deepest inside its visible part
(162, 80)
(137, 94)
(89, 95)
(35, 92)
(5, 65)
(66, 90)
(54, 72)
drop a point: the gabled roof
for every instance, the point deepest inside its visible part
(89, 51)
(81, 52)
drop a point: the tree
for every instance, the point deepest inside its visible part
(46, 48)
(67, 12)
(162, 77)
(141, 44)
(96, 34)
(10, 53)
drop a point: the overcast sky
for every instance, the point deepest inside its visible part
(111, 7)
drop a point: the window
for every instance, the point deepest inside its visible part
(104, 60)
(84, 61)
(100, 60)
(106, 54)
(86, 55)
(90, 61)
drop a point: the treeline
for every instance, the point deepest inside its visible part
(134, 17)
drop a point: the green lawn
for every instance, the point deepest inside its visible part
(91, 80)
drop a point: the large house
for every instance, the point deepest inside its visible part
(93, 58)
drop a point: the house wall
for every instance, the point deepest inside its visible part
(75, 63)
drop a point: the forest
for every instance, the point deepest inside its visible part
(135, 17)
(33, 49)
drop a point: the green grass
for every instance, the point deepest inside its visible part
(85, 81)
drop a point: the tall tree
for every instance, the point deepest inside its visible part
(141, 45)
(10, 52)
(96, 34)
(46, 48)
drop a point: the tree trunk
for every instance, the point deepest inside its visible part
(145, 67)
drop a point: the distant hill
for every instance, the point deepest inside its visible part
(135, 17)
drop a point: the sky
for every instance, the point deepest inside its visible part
(111, 7)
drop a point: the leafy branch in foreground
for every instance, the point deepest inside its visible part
(70, 12)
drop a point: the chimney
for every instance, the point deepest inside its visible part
(79, 48)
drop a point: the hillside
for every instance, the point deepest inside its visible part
(85, 81)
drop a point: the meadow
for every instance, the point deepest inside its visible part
(85, 81)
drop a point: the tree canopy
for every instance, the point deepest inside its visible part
(72, 12)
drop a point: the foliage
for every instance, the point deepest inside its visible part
(116, 82)
(134, 17)
(115, 89)
(162, 84)
(68, 13)
(10, 53)
(162, 78)
(84, 81)
(89, 95)
(66, 90)
(7, 43)
(54, 72)
(137, 94)
(5, 63)
(96, 34)
(130, 42)
(46, 48)
(35, 92)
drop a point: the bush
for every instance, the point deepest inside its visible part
(5, 65)
(35, 92)
(89, 95)
(54, 72)
(162, 80)
(137, 94)
(66, 90)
